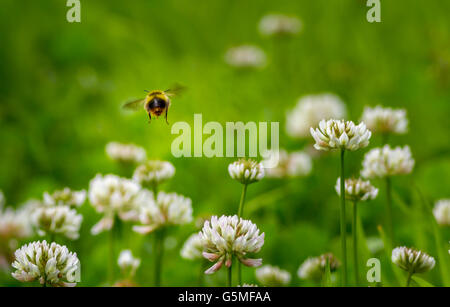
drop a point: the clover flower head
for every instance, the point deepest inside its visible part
(279, 25)
(192, 248)
(441, 212)
(310, 110)
(313, 268)
(385, 120)
(246, 171)
(412, 260)
(125, 153)
(357, 189)
(227, 237)
(246, 56)
(59, 220)
(50, 264)
(385, 161)
(153, 172)
(14, 224)
(65, 197)
(169, 209)
(272, 276)
(30, 205)
(339, 134)
(248, 286)
(289, 165)
(128, 263)
(113, 195)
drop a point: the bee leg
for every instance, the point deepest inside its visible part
(165, 116)
(149, 118)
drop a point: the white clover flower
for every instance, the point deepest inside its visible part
(412, 260)
(313, 268)
(113, 195)
(310, 269)
(246, 56)
(441, 212)
(227, 237)
(310, 110)
(340, 134)
(384, 162)
(125, 153)
(246, 171)
(295, 164)
(50, 264)
(65, 197)
(168, 209)
(299, 164)
(152, 173)
(272, 276)
(357, 189)
(14, 224)
(127, 263)
(385, 120)
(248, 286)
(60, 220)
(30, 205)
(279, 25)
(192, 248)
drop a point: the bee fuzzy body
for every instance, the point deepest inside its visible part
(156, 103)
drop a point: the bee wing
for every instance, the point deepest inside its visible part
(175, 90)
(134, 104)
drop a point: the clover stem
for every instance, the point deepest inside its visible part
(159, 250)
(408, 280)
(201, 274)
(240, 213)
(355, 241)
(343, 222)
(111, 256)
(155, 190)
(241, 204)
(389, 225)
(229, 276)
(384, 138)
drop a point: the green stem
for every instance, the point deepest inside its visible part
(384, 138)
(389, 225)
(201, 273)
(111, 256)
(155, 190)
(159, 249)
(241, 204)
(240, 213)
(326, 277)
(229, 276)
(355, 241)
(343, 222)
(240, 273)
(408, 280)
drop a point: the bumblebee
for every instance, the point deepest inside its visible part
(155, 103)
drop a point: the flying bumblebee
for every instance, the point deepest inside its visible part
(155, 103)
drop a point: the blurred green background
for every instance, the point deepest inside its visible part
(63, 84)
